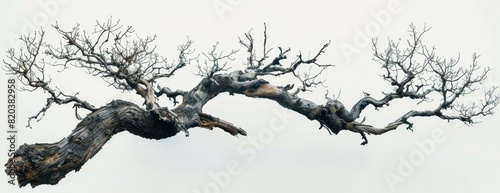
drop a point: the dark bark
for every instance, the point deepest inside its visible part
(136, 66)
(47, 163)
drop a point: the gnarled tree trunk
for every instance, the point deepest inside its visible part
(47, 163)
(135, 66)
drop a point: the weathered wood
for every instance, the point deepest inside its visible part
(136, 68)
(48, 163)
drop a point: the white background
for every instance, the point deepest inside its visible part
(298, 158)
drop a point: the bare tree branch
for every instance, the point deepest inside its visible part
(117, 55)
(112, 53)
(170, 94)
(214, 62)
(31, 72)
(418, 80)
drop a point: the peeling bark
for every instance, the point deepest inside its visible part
(136, 67)
(47, 163)
(208, 121)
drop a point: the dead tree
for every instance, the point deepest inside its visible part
(124, 61)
